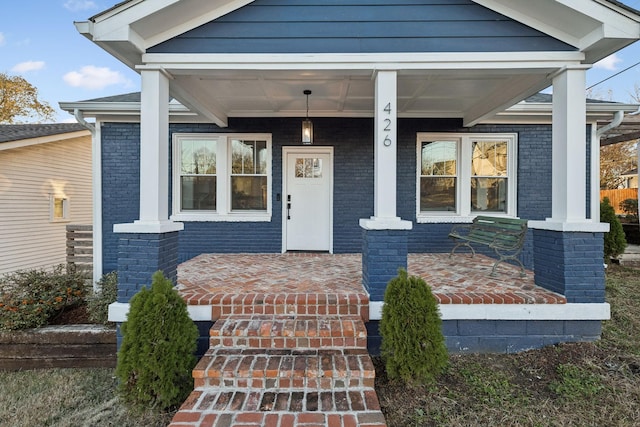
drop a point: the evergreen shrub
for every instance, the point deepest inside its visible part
(413, 346)
(630, 208)
(156, 357)
(107, 293)
(614, 240)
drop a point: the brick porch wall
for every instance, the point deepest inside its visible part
(571, 264)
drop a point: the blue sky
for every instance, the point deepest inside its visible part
(39, 42)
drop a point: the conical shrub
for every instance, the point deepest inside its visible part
(614, 240)
(413, 346)
(156, 357)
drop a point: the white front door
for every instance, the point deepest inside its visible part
(307, 198)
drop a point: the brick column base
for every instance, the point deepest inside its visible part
(570, 263)
(140, 255)
(383, 253)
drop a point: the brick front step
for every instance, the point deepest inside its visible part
(279, 419)
(297, 365)
(313, 304)
(255, 407)
(288, 331)
(284, 369)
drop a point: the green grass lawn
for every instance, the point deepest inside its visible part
(584, 384)
(581, 384)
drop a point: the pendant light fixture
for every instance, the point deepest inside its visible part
(307, 125)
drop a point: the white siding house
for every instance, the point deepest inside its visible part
(45, 185)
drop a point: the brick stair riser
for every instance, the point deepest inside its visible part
(292, 343)
(294, 401)
(302, 331)
(322, 371)
(329, 383)
(219, 311)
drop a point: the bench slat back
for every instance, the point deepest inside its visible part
(502, 231)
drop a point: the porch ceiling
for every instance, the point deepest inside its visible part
(469, 95)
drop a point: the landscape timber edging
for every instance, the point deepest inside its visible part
(63, 346)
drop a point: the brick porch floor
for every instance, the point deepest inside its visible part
(220, 279)
(289, 345)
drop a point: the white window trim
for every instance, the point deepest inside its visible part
(223, 211)
(463, 212)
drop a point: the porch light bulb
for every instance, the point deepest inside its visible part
(307, 126)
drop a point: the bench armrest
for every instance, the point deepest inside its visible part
(460, 229)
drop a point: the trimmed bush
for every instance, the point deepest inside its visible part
(31, 298)
(413, 347)
(156, 357)
(630, 208)
(107, 293)
(614, 240)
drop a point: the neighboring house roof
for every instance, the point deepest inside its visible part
(631, 172)
(15, 136)
(28, 131)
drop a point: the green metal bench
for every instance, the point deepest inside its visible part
(504, 235)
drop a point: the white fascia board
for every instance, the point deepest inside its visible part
(159, 20)
(590, 19)
(509, 312)
(194, 21)
(540, 112)
(9, 145)
(118, 312)
(175, 63)
(93, 109)
(513, 312)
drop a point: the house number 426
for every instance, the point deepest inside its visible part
(386, 123)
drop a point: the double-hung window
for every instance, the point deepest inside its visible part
(221, 177)
(463, 175)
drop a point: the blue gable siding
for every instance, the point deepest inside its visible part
(361, 26)
(353, 183)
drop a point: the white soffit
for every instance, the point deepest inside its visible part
(128, 29)
(598, 27)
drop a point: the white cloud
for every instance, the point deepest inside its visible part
(2, 39)
(25, 67)
(95, 78)
(609, 63)
(78, 5)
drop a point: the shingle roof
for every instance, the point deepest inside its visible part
(125, 97)
(27, 131)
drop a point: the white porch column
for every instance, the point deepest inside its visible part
(569, 175)
(154, 146)
(385, 156)
(385, 145)
(154, 157)
(569, 158)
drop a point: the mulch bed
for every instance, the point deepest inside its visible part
(77, 315)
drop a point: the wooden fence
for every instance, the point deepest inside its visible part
(80, 247)
(617, 196)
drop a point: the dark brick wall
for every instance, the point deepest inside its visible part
(570, 263)
(384, 252)
(120, 184)
(353, 183)
(141, 255)
(503, 336)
